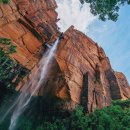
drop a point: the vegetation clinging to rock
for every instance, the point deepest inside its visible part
(10, 70)
(4, 1)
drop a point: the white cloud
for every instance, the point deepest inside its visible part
(71, 12)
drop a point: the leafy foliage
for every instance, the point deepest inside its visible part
(7, 46)
(99, 120)
(124, 104)
(4, 1)
(105, 9)
(10, 70)
(114, 117)
(25, 123)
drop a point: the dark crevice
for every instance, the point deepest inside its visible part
(114, 87)
(84, 93)
(97, 74)
(34, 32)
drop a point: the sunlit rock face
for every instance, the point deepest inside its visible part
(81, 74)
(123, 85)
(28, 24)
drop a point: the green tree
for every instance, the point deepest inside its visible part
(114, 117)
(24, 124)
(106, 9)
(56, 125)
(4, 1)
(78, 120)
(11, 71)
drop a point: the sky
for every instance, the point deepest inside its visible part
(114, 37)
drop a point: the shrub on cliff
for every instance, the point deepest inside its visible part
(10, 70)
(4, 1)
(124, 104)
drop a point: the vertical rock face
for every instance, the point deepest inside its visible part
(28, 24)
(123, 85)
(80, 73)
(83, 74)
(41, 16)
(84, 65)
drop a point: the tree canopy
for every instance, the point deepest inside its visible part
(4, 1)
(114, 117)
(105, 9)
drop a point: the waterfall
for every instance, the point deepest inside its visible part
(32, 86)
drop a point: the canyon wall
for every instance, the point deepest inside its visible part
(81, 73)
(28, 24)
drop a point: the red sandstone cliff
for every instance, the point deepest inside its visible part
(28, 24)
(81, 73)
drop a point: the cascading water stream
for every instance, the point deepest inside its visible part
(31, 87)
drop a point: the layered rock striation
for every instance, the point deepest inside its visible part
(82, 74)
(29, 24)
